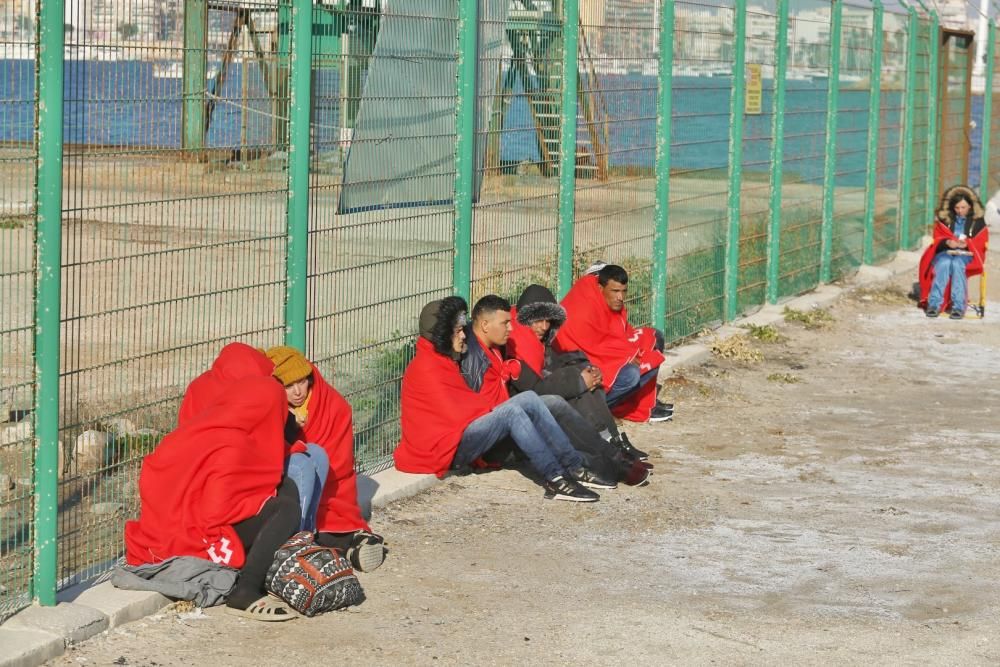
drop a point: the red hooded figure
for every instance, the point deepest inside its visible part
(215, 470)
(610, 342)
(977, 237)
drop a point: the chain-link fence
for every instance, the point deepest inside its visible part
(180, 175)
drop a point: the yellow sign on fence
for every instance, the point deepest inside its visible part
(755, 89)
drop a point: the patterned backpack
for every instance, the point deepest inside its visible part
(311, 578)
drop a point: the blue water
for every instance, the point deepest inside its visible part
(123, 104)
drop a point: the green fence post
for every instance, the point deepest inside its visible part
(193, 73)
(984, 163)
(299, 107)
(737, 103)
(934, 121)
(465, 143)
(777, 154)
(664, 122)
(830, 162)
(567, 144)
(906, 191)
(48, 295)
(874, 119)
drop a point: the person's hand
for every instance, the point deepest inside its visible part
(963, 245)
(591, 378)
(951, 244)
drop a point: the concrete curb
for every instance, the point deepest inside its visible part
(37, 634)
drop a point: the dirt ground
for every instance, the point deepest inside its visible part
(836, 503)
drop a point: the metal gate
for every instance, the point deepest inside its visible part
(955, 93)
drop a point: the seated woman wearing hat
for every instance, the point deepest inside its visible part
(319, 415)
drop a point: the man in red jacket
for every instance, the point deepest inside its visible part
(628, 358)
(447, 425)
(319, 415)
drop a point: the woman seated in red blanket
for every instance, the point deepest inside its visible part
(319, 415)
(214, 488)
(957, 252)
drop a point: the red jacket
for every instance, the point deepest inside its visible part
(436, 407)
(610, 342)
(215, 470)
(330, 426)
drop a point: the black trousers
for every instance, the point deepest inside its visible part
(262, 535)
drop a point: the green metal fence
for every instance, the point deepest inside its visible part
(267, 171)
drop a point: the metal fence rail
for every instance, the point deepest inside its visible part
(181, 175)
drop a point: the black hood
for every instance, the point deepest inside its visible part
(538, 303)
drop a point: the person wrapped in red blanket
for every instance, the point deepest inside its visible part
(957, 252)
(319, 422)
(628, 358)
(447, 425)
(213, 487)
(536, 319)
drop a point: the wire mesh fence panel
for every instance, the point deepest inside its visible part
(516, 217)
(758, 136)
(955, 105)
(888, 164)
(173, 239)
(381, 187)
(921, 201)
(854, 98)
(702, 85)
(616, 146)
(17, 278)
(805, 139)
(992, 177)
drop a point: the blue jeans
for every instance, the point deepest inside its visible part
(308, 470)
(629, 379)
(535, 432)
(949, 267)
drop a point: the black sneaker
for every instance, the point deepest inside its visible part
(956, 315)
(629, 449)
(591, 479)
(561, 488)
(932, 312)
(660, 413)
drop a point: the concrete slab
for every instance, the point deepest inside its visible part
(823, 297)
(69, 621)
(685, 355)
(27, 648)
(394, 485)
(121, 606)
(871, 275)
(765, 316)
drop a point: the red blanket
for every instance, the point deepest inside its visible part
(524, 345)
(330, 426)
(437, 406)
(235, 362)
(977, 244)
(610, 343)
(215, 470)
(501, 371)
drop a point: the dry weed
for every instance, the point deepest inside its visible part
(737, 348)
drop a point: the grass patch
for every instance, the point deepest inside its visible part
(765, 334)
(737, 348)
(817, 318)
(15, 221)
(888, 296)
(783, 378)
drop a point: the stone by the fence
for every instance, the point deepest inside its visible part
(120, 427)
(19, 432)
(107, 508)
(90, 449)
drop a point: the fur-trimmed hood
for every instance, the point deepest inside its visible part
(538, 303)
(944, 215)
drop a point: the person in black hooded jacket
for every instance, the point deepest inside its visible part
(568, 383)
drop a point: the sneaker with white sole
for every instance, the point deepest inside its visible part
(591, 480)
(562, 488)
(660, 413)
